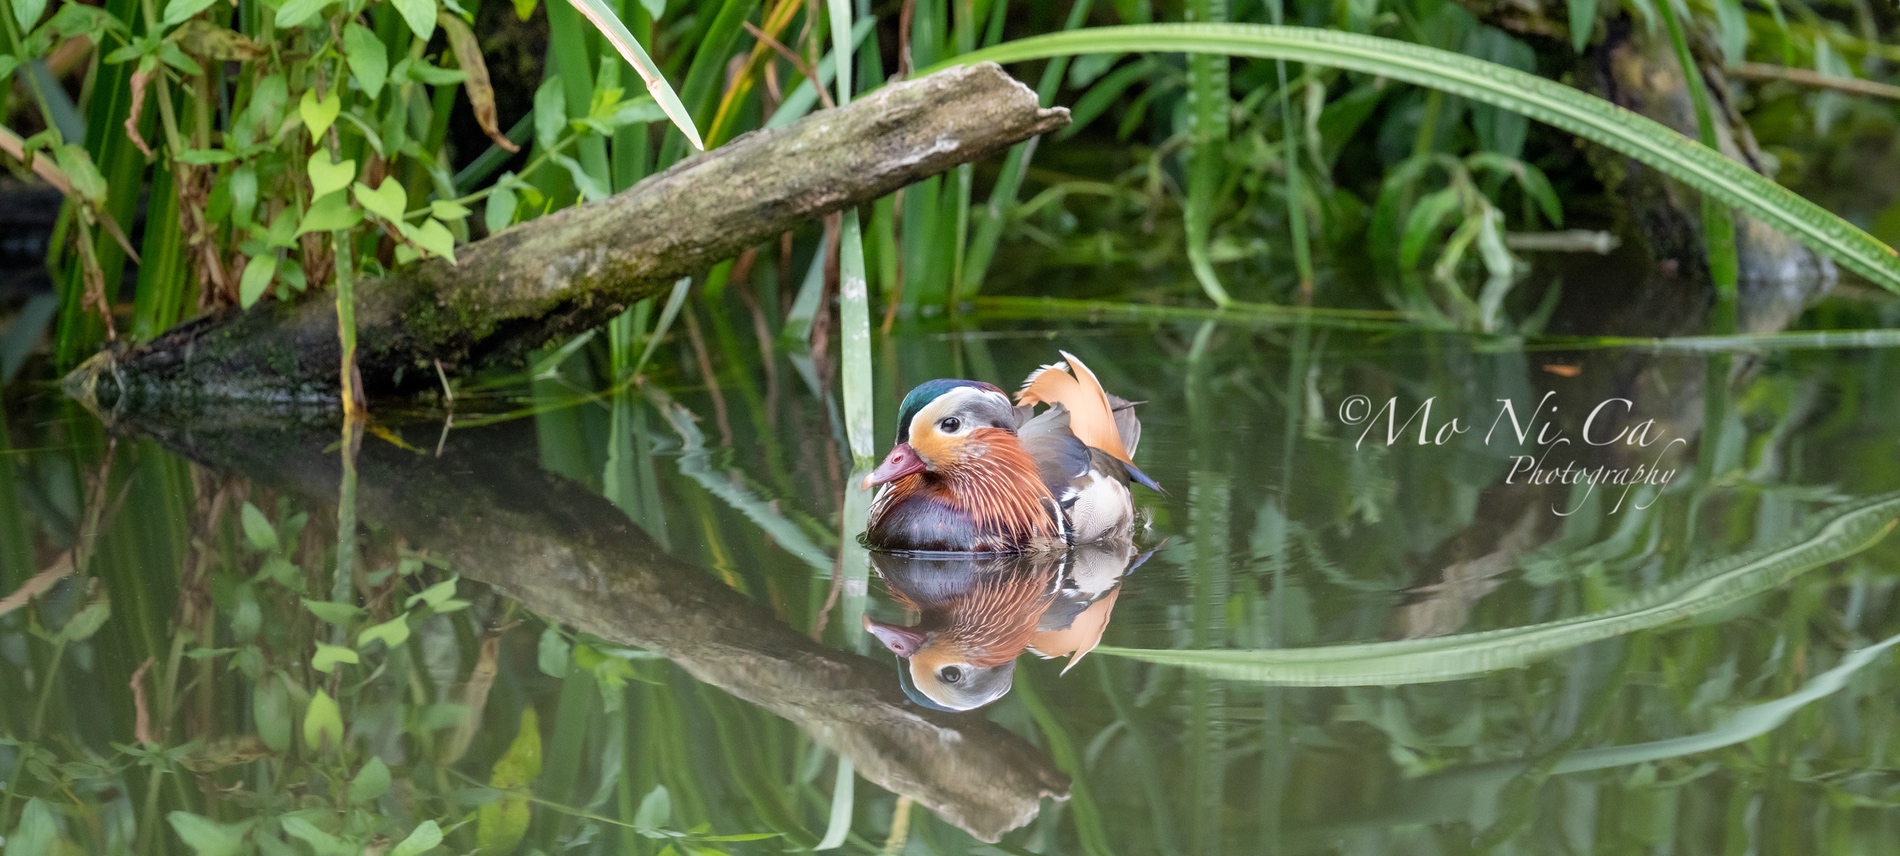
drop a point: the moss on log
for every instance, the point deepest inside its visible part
(575, 269)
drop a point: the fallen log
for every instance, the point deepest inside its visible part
(573, 270)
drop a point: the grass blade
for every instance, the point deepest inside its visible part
(1849, 530)
(667, 315)
(604, 19)
(1587, 116)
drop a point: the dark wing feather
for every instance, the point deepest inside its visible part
(1059, 456)
(1126, 424)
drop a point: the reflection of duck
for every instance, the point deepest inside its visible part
(979, 612)
(973, 473)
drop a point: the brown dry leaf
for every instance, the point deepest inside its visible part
(140, 79)
(481, 93)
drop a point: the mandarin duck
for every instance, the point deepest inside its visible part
(973, 473)
(979, 613)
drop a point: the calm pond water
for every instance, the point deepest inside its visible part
(586, 618)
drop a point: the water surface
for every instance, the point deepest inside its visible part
(628, 616)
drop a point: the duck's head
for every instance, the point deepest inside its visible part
(941, 424)
(939, 672)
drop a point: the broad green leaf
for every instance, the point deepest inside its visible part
(207, 837)
(446, 210)
(524, 9)
(324, 843)
(1548, 101)
(28, 12)
(434, 595)
(419, 15)
(327, 177)
(431, 235)
(319, 113)
(270, 708)
(499, 211)
(328, 656)
(370, 782)
(258, 273)
(388, 201)
(178, 11)
(1424, 222)
(297, 13)
(322, 722)
(550, 112)
(1583, 19)
(330, 213)
(656, 811)
(37, 831)
(257, 530)
(368, 58)
(553, 656)
(1848, 530)
(500, 825)
(339, 614)
(425, 838)
(88, 619)
(81, 172)
(392, 633)
(205, 157)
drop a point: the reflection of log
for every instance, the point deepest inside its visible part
(570, 555)
(575, 269)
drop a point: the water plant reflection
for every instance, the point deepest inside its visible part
(980, 612)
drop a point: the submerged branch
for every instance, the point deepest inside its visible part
(575, 269)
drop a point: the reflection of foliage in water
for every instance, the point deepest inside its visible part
(1280, 535)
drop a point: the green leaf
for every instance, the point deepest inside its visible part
(1427, 217)
(322, 722)
(327, 177)
(88, 619)
(207, 837)
(270, 707)
(524, 9)
(445, 210)
(1548, 101)
(425, 838)
(297, 13)
(420, 15)
(656, 811)
(328, 656)
(330, 213)
(178, 11)
(339, 614)
(554, 656)
(258, 273)
(80, 170)
(324, 843)
(38, 830)
(388, 201)
(319, 114)
(392, 633)
(550, 112)
(371, 782)
(431, 235)
(499, 212)
(1850, 529)
(367, 56)
(500, 825)
(434, 595)
(28, 12)
(1583, 19)
(258, 530)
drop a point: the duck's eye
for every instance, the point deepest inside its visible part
(950, 674)
(950, 425)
